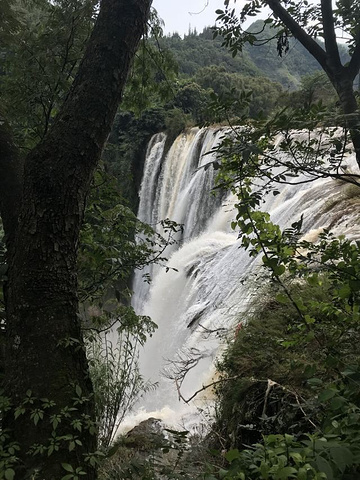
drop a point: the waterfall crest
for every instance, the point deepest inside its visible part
(211, 286)
(178, 186)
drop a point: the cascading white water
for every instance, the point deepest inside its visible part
(177, 187)
(210, 287)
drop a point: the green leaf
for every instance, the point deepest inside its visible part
(285, 473)
(272, 439)
(281, 298)
(315, 382)
(324, 466)
(313, 280)
(19, 411)
(326, 395)
(296, 457)
(232, 455)
(310, 336)
(223, 473)
(337, 403)
(78, 390)
(352, 372)
(279, 270)
(344, 291)
(342, 457)
(302, 473)
(309, 320)
(310, 370)
(264, 469)
(67, 467)
(9, 474)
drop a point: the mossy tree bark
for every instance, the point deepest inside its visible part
(42, 205)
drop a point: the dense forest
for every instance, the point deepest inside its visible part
(84, 86)
(199, 50)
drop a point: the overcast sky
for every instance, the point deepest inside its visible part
(179, 14)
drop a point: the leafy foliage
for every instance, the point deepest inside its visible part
(284, 457)
(108, 254)
(40, 60)
(293, 368)
(113, 243)
(41, 56)
(108, 251)
(263, 94)
(291, 373)
(307, 15)
(37, 64)
(152, 79)
(114, 371)
(9, 22)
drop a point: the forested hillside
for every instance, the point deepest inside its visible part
(198, 50)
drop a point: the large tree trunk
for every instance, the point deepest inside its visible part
(46, 372)
(345, 90)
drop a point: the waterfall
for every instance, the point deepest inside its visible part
(210, 281)
(177, 187)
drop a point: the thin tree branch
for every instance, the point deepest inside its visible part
(270, 384)
(204, 387)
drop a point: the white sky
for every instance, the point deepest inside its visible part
(179, 14)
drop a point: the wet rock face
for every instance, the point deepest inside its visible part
(144, 452)
(151, 425)
(147, 435)
(152, 451)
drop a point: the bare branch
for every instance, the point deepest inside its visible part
(204, 387)
(270, 385)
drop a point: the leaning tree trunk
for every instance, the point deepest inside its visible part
(345, 90)
(46, 373)
(342, 77)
